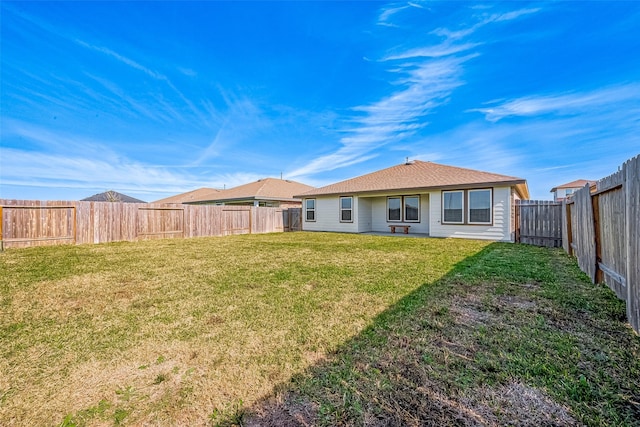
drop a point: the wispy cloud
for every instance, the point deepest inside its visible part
(483, 20)
(425, 77)
(75, 162)
(149, 72)
(387, 13)
(562, 104)
(123, 59)
(423, 87)
(437, 51)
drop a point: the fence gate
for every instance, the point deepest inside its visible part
(24, 225)
(291, 219)
(236, 221)
(160, 222)
(539, 223)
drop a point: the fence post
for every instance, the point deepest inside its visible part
(631, 176)
(75, 224)
(517, 220)
(595, 205)
(1, 223)
(569, 230)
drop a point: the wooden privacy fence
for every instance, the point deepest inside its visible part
(539, 223)
(36, 223)
(602, 229)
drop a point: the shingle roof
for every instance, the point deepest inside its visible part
(262, 189)
(189, 196)
(418, 175)
(112, 196)
(578, 183)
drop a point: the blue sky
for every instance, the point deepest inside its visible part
(156, 98)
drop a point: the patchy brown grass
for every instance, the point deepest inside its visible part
(310, 329)
(513, 335)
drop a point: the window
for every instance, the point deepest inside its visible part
(568, 191)
(346, 209)
(393, 209)
(403, 208)
(412, 208)
(310, 208)
(452, 207)
(479, 206)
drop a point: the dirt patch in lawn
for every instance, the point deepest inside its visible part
(517, 404)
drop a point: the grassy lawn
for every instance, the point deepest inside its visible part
(310, 328)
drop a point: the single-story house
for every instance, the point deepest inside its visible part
(418, 197)
(563, 191)
(189, 196)
(269, 192)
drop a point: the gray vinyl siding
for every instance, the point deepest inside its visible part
(499, 231)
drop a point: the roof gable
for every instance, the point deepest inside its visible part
(112, 196)
(418, 175)
(578, 183)
(189, 196)
(262, 189)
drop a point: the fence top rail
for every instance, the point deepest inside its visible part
(160, 209)
(607, 189)
(35, 207)
(537, 202)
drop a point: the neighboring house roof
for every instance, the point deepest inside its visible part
(262, 189)
(189, 196)
(112, 196)
(579, 183)
(419, 175)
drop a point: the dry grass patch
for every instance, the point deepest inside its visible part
(517, 404)
(513, 335)
(183, 331)
(310, 329)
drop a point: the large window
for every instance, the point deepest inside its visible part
(394, 209)
(403, 209)
(452, 207)
(480, 206)
(310, 209)
(346, 209)
(412, 208)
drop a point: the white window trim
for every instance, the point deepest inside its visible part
(463, 206)
(401, 207)
(306, 209)
(404, 209)
(340, 208)
(490, 206)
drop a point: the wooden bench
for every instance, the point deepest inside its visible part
(405, 227)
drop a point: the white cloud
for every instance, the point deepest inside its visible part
(425, 79)
(423, 87)
(484, 20)
(562, 104)
(443, 49)
(123, 59)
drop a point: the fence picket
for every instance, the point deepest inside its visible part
(37, 223)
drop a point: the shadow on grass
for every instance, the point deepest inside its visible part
(512, 335)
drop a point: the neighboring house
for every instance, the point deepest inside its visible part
(433, 199)
(563, 191)
(189, 196)
(270, 192)
(112, 196)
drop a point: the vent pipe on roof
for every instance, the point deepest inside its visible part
(408, 162)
